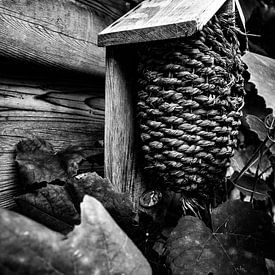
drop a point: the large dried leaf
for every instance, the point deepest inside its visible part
(97, 246)
(51, 206)
(38, 162)
(193, 248)
(98, 235)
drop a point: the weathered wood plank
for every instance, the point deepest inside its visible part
(59, 33)
(160, 19)
(60, 110)
(262, 74)
(111, 8)
(120, 144)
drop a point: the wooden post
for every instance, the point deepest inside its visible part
(120, 152)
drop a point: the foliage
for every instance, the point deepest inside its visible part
(38, 162)
(235, 245)
(96, 246)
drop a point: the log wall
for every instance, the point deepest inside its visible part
(64, 109)
(51, 77)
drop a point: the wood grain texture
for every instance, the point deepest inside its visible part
(160, 19)
(262, 74)
(120, 143)
(59, 33)
(111, 8)
(61, 110)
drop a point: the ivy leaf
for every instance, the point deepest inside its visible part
(237, 244)
(262, 70)
(246, 185)
(51, 206)
(256, 125)
(97, 246)
(241, 157)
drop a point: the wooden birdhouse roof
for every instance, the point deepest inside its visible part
(162, 19)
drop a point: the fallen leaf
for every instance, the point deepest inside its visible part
(240, 218)
(70, 159)
(193, 248)
(38, 162)
(28, 247)
(51, 206)
(102, 246)
(118, 204)
(97, 246)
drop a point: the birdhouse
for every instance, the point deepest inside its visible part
(174, 92)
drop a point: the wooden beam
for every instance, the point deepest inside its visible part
(120, 135)
(160, 19)
(111, 8)
(59, 33)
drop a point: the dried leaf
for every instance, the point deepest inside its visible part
(118, 204)
(113, 252)
(235, 246)
(28, 247)
(51, 206)
(240, 218)
(246, 186)
(194, 249)
(38, 162)
(237, 217)
(70, 158)
(97, 246)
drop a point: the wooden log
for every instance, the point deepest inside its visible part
(59, 33)
(158, 20)
(111, 8)
(62, 111)
(120, 142)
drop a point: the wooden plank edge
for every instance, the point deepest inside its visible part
(148, 34)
